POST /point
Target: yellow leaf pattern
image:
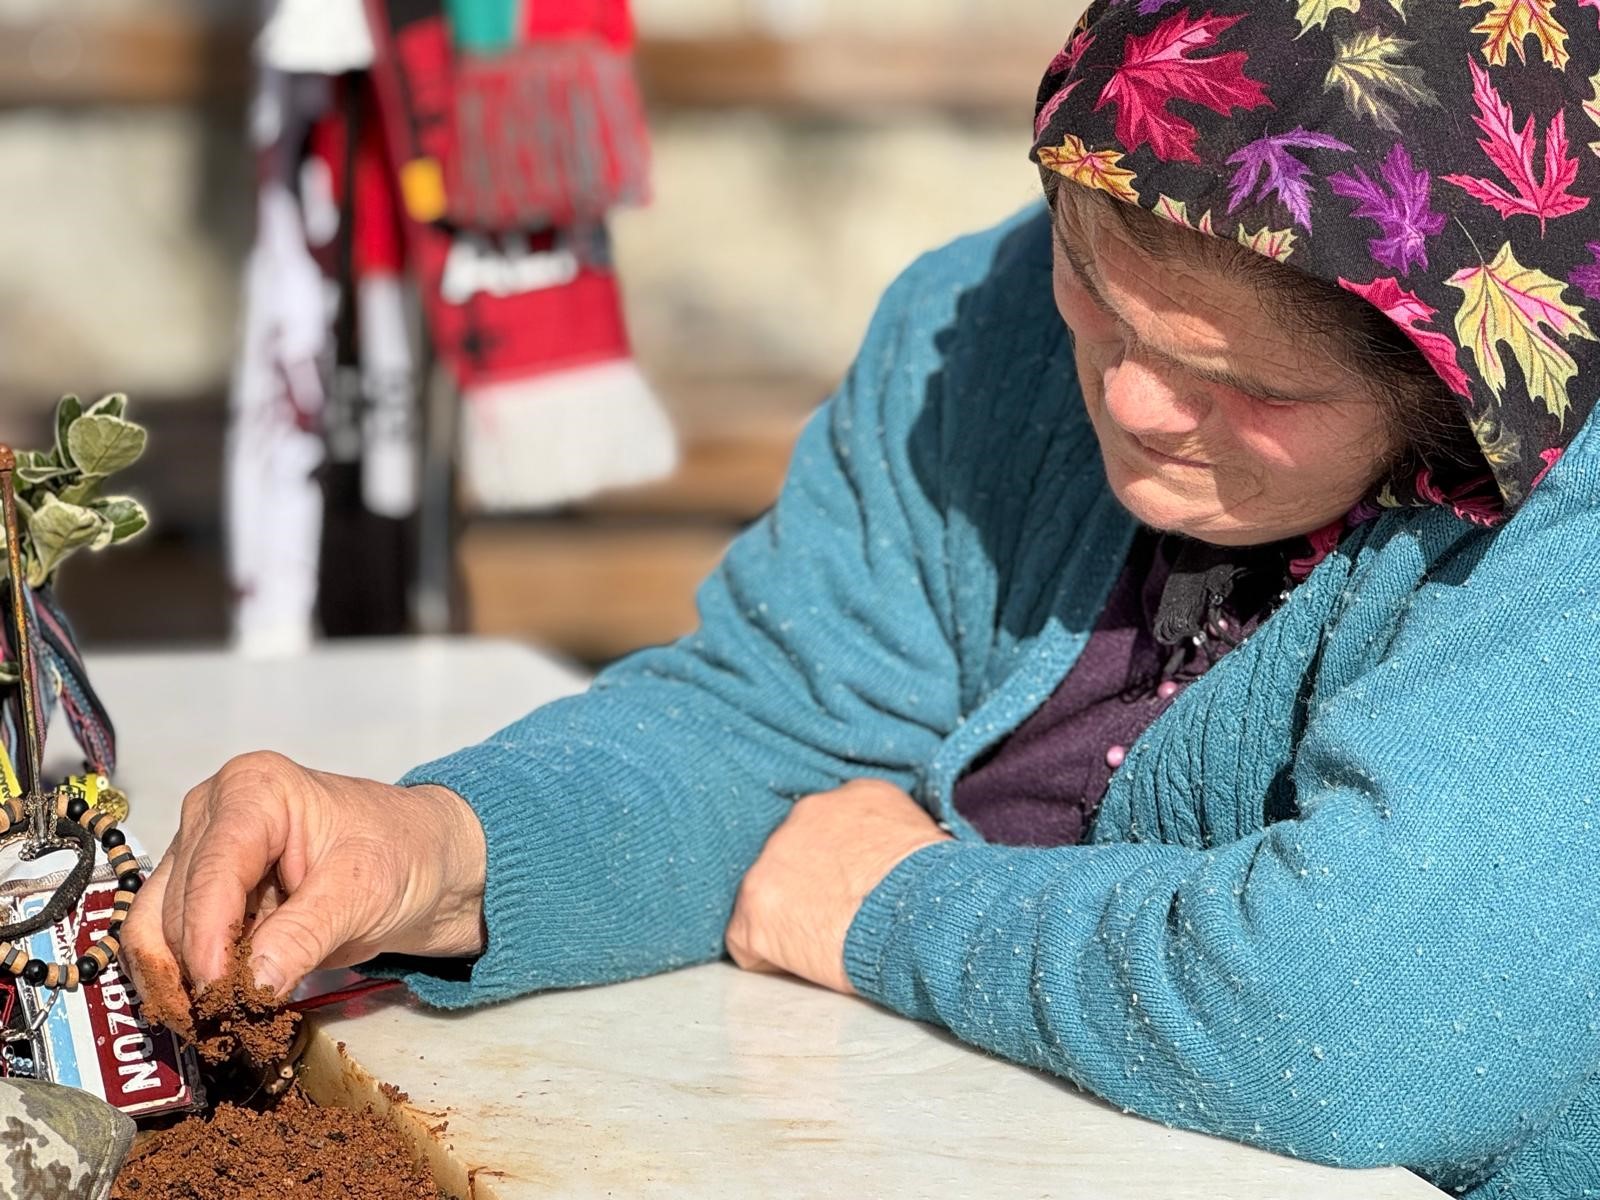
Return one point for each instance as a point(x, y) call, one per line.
point(1366, 69)
point(1091, 168)
point(1505, 301)
point(1177, 211)
point(1314, 14)
point(1508, 24)
point(1500, 445)
point(1274, 243)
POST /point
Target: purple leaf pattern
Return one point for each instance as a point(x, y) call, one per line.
point(1400, 204)
point(1587, 277)
point(1266, 167)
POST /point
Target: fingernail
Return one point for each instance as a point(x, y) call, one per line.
point(267, 974)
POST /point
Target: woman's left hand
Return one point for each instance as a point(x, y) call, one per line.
point(798, 900)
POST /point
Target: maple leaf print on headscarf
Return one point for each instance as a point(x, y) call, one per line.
point(1400, 206)
point(1511, 150)
point(1269, 161)
point(1368, 70)
point(1508, 25)
point(1587, 276)
point(1160, 68)
point(1091, 168)
point(1408, 311)
point(1508, 302)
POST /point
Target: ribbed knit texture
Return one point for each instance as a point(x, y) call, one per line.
point(1405, 972)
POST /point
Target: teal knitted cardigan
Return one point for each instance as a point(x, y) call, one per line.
point(1402, 972)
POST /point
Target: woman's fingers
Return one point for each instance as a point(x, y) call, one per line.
point(265, 897)
point(146, 955)
point(219, 875)
point(305, 932)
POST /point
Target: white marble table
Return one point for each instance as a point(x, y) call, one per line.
point(703, 1082)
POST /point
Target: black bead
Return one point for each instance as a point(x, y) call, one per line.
point(131, 882)
point(88, 968)
point(35, 972)
point(114, 838)
point(76, 807)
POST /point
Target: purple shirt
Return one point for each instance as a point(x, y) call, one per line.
point(1042, 784)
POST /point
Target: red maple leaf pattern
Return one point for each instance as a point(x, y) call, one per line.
point(1511, 150)
point(1407, 310)
point(1159, 67)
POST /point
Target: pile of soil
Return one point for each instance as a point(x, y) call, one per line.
point(253, 1146)
point(295, 1151)
point(231, 1016)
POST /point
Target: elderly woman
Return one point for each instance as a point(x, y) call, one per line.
point(1172, 660)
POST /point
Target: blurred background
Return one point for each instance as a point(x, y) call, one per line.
point(801, 153)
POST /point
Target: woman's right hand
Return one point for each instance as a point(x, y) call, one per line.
point(335, 870)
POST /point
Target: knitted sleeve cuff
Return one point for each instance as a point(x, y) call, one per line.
point(540, 881)
point(880, 947)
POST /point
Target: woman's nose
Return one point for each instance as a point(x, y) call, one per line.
point(1145, 402)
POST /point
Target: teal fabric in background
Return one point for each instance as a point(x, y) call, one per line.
point(1404, 972)
point(482, 26)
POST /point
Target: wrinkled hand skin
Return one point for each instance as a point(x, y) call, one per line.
point(797, 902)
point(335, 869)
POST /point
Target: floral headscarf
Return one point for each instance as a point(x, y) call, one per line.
point(1439, 159)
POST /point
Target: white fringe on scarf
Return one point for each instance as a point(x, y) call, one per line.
point(540, 443)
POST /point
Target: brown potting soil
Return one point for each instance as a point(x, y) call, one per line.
point(231, 1016)
point(295, 1151)
point(260, 1148)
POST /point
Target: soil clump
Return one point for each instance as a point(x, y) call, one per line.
point(232, 1015)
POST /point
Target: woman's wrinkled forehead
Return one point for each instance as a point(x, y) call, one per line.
point(1422, 157)
point(1280, 336)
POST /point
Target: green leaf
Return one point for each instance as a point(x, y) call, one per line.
point(68, 410)
point(105, 534)
point(82, 492)
point(114, 405)
point(101, 444)
point(127, 516)
point(45, 474)
point(56, 530)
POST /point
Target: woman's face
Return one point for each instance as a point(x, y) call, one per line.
point(1214, 420)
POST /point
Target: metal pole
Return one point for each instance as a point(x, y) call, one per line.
point(28, 681)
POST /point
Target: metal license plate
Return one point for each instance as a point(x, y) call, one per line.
point(95, 1038)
